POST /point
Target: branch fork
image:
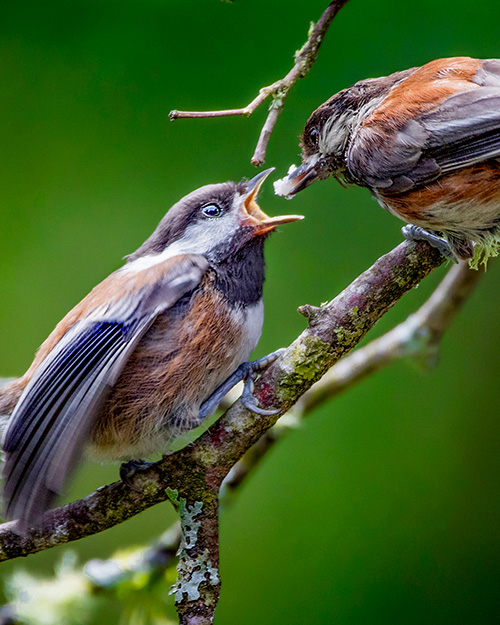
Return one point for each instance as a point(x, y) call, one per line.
point(304, 60)
point(192, 477)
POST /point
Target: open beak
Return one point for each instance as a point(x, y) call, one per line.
point(252, 214)
point(298, 178)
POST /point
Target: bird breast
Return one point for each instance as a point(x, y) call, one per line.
point(187, 353)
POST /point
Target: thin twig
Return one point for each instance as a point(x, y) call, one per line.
point(259, 155)
point(246, 111)
point(304, 60)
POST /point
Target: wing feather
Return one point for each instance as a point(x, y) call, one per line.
point(53, 418)
point(463, 130)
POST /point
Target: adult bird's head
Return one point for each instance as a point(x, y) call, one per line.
point(328, 131)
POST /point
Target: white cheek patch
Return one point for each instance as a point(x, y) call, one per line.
point(203, 236)
point(200, 238)
point(337, 132)
point(334, 134)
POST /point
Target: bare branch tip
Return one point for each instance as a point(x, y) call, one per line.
point(257, 161)
point(308, 311)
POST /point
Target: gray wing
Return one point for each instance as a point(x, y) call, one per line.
point(53, 417)
point(462, 131)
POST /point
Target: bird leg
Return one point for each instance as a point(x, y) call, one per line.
point(416, 233)
point(248, 372)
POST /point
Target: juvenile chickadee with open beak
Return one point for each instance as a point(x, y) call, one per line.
point(148, 353)
point(426, 142)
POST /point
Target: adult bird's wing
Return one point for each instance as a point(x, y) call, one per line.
point(407, 142)
point(53, 417)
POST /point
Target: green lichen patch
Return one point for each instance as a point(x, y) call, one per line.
point(278, 98)
point(187, 514)
point(349, 334)
point(173, 495)
point(484, 251)
point(341, 334)
point(303, 364)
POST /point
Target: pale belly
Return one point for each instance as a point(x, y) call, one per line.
point(464, 203)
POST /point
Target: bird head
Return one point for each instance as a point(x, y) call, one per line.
point(329, 130)
point(216, 221)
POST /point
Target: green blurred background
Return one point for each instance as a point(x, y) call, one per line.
point(384, 507)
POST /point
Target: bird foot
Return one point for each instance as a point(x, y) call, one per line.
point(246, 372)
point(254, 369)
point(416, 233)
point(129, 470)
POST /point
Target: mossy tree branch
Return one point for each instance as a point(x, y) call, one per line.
point(418, 337)
point(191, 478)
point(333, 330)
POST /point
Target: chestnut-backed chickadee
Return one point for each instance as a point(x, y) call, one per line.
point(146, 354)
point(426, 142)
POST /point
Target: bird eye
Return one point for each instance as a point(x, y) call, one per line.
point(314, 135)
point(211, 210)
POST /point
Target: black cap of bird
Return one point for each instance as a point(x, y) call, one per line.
point(148, 353)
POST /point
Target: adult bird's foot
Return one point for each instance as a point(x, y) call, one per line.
point(129, 470)
point(416, 233)
point(247, 372)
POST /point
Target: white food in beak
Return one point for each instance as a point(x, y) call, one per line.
point(283, 186)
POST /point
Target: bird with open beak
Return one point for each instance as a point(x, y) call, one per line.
point(426, 142)
point(148, 353)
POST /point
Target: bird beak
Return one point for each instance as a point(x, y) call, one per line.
point(298, 178)
point(253, 216)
